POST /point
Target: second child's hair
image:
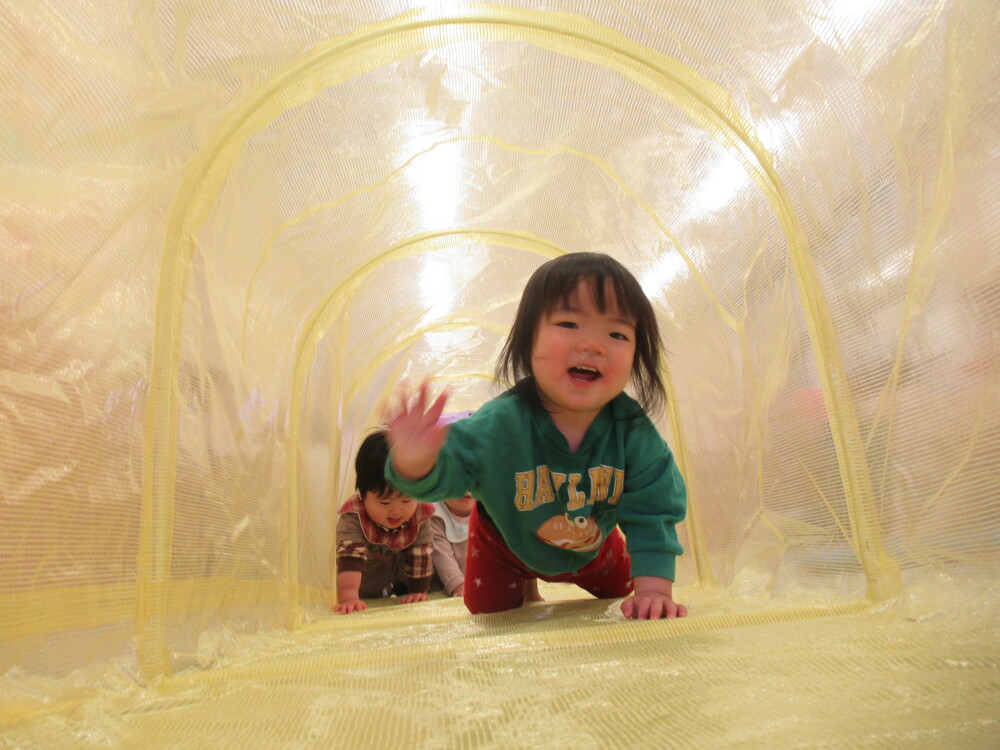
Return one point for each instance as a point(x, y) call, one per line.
point(369, 465)
point(551, 286)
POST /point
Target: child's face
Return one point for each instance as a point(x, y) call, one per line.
point(461, 506)
point(582, 358)
point(390, 511)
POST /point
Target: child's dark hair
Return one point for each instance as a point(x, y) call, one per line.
point(369, 465)
point(551, 286)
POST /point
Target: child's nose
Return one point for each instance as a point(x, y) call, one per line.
point(590, 344)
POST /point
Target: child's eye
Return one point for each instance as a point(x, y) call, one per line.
point(566, 324)
point(619, 335)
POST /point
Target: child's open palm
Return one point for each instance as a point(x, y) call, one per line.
point(413, 431)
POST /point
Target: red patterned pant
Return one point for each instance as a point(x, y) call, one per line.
point(495, 577)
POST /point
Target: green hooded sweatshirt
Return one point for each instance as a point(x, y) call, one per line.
point(555, 508)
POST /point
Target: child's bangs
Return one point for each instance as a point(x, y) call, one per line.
point(560, 289)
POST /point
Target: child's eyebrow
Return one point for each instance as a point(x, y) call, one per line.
point(571, 309)
point(560, 309)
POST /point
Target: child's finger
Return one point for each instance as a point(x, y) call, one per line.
point(402, 394)
point(643, 610)
point(395, 405)
point(382, 409)
point(628, 608)
point(434, 413)
point(421, 401)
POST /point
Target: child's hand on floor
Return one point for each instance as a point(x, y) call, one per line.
point(353, 605)
point(407, 598)
point(652, 607)
point(653, 600)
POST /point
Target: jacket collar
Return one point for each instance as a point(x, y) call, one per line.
point(399, 538)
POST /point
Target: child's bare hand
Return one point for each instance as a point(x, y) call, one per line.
point(652, 606)
point(408, 598)
point(353, 605)
point(653, 599)
point(413, 431)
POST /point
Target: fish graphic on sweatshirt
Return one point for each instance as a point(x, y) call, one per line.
point(579, 534)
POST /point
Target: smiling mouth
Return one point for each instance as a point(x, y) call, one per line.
point(582, 372)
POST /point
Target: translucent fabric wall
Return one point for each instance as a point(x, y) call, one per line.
point(228, 229)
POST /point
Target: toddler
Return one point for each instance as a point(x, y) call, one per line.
point(450, 524)
point(383, 539)
point(564, 457)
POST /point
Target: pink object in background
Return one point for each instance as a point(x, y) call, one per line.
point(809, 402)
point(453, 417)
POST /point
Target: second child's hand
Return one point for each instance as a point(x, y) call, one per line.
point(413, 431)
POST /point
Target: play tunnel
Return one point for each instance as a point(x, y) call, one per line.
point(229, 229)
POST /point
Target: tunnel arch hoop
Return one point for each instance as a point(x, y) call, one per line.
point(372, 47)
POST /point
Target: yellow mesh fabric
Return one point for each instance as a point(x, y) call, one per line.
point(228, 229)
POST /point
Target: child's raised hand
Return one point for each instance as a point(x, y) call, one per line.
point(413, 431)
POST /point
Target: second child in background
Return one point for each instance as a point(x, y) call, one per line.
point(384, 541)
point(450, 524)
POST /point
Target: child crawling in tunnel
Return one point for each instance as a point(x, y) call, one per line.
point(563, 458)
point(384, 541)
